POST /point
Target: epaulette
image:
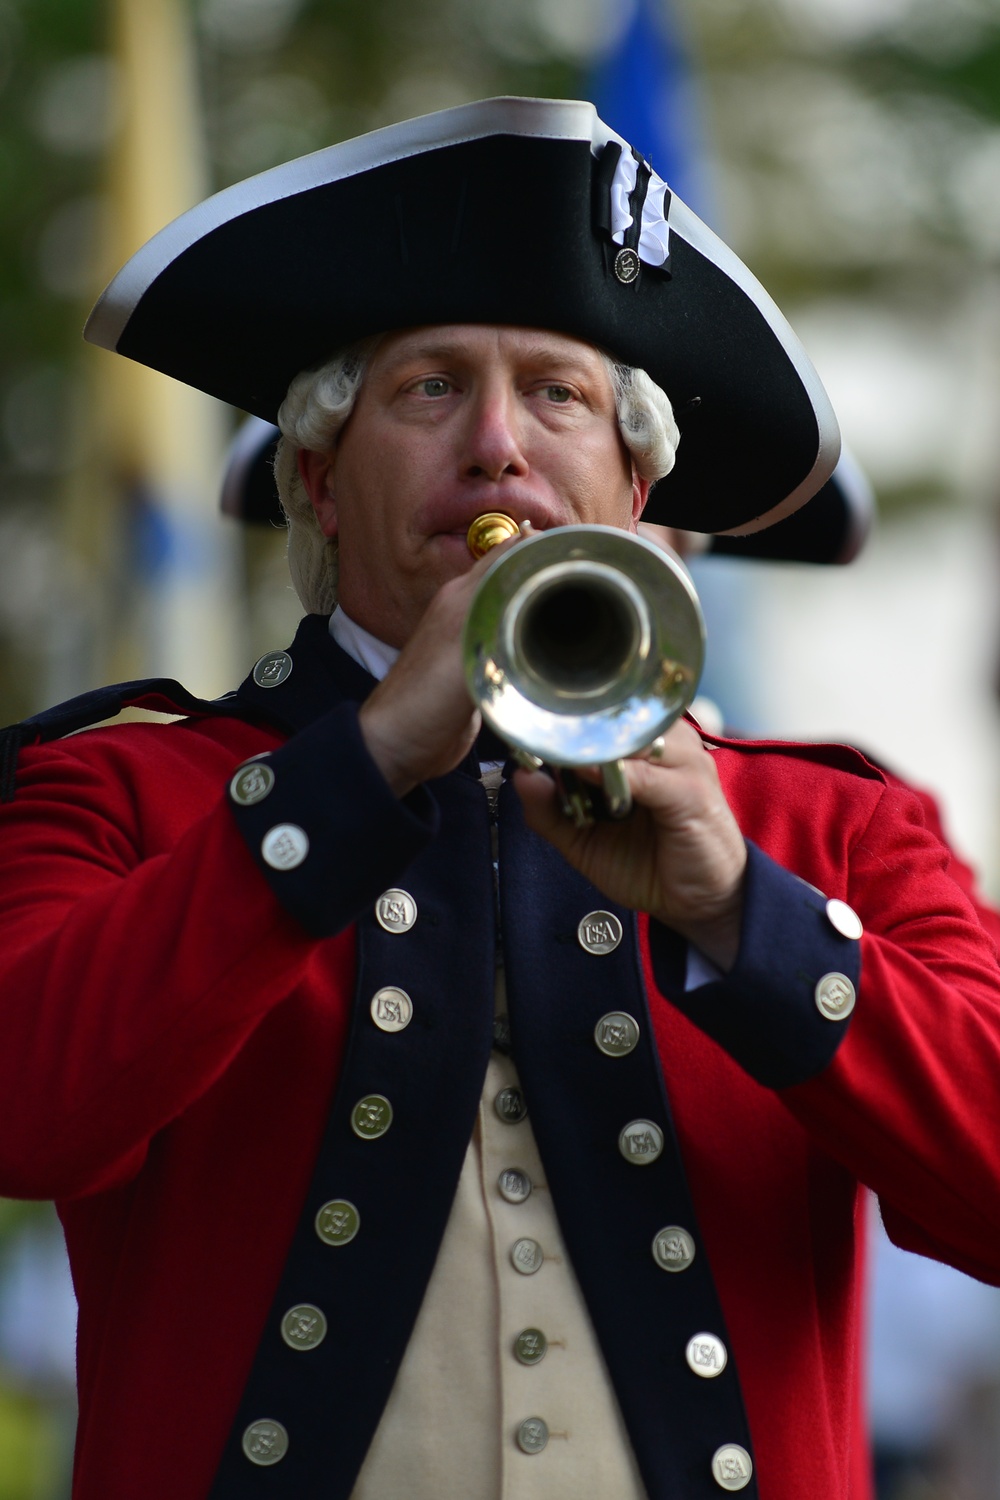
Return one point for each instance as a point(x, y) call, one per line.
point(159, 694)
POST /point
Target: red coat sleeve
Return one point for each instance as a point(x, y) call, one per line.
point(911, 1099)
point(905, 1091)
point(140, 944)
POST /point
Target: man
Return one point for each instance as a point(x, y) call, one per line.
point(338, 1228)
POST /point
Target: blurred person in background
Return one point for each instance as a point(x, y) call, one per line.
point(380, 1179)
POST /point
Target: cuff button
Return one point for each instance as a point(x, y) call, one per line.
point(251, 784)
point(284, 846)
point(835, 997)
point(843, 919)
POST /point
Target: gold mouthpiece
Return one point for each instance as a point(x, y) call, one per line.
point(488, 530)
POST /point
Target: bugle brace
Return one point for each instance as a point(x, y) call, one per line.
point(581, 646)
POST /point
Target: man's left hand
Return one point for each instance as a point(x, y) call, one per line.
point(679, 855)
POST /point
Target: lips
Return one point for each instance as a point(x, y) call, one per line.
point(454, 517)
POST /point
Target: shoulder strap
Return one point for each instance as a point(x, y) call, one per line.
point(160, 694)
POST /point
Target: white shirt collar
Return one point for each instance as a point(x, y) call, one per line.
point(366, 649)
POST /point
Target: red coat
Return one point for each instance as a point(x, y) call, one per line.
point(172, 1039)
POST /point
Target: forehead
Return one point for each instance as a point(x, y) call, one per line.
point(489, 344)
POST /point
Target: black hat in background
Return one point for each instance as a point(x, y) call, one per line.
point(832, 527)
point(528, 212)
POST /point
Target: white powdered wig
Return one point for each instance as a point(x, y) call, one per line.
point(320, 401)
point(645, 419)
point(316, 407)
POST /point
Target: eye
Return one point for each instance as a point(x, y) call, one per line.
point(560, 394)
point(433, 386)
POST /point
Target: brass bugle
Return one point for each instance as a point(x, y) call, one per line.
point(488, 531)
point(581, 646)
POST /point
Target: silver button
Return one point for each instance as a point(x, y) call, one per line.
point(514, 1185)
point(392, 1009)
point(526, 1256)
point(251, 784)
point(617, 1033)
point(641, 1142)
point(337, 1222)
point(395, 910)
point(284, 846)
point(530, 1346)
point(532, 1435)
point(599, 932)
point(732, 1467)
point(510, 1106)
point(835, 997)
point(626, 266)
point(706, 1355)
point(673, 1248)
point(265, 1442)
point(371, 1117)
point(274, 668)
point(844, 919)
point(303, 1326)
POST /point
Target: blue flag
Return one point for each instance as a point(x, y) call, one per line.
point(645, 89)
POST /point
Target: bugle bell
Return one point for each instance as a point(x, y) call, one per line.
point(582, 644)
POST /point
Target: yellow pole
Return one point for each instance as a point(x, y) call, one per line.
point(144, 515)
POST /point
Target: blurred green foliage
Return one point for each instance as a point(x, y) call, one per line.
point(32, 1450)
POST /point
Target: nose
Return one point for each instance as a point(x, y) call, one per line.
point(494, 444)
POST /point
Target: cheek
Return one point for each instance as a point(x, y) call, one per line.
point(606, 473)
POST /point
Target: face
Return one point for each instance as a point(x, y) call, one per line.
point(451, 422)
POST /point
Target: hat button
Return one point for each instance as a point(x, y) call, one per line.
point(627, 266)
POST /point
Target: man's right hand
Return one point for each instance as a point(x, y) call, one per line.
point(420, 721)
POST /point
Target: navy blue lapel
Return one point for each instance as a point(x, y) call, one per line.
point(330, 1399)
point(611, 1210)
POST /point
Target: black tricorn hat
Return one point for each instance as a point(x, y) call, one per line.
point(528, 212)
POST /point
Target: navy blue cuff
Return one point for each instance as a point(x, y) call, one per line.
point(783, 1009)
point(323, 825)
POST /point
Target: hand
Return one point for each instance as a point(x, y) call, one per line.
point(679, 855)
point(420, 721)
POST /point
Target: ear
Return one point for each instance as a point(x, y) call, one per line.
point(316, 473)
point(640, 494)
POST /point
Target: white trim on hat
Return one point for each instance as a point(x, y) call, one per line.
point(547, 119)
point(698, 235)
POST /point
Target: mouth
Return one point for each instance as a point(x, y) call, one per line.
point(526, 513)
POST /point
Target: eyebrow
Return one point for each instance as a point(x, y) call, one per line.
point(535, 354)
